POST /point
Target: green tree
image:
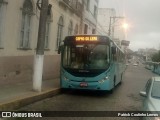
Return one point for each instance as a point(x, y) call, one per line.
point(156, 57)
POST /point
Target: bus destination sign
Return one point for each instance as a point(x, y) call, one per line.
point(83, 39)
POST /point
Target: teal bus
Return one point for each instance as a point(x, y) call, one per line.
point(91, 62)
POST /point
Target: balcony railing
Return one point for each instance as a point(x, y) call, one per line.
point(67, 1)
point(73, 5)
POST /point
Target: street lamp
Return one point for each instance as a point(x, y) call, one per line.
point(125, 26)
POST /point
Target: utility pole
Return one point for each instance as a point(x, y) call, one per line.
point(38, 59)
point(81, 18)
point(111, 24)
point(109, 30)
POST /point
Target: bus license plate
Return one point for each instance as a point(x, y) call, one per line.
point(83, 84)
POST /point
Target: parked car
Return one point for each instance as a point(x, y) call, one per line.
point(151, 93)
point(135, 64)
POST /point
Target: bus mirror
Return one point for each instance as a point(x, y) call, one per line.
point(113, 50)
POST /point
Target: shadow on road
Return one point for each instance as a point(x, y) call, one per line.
point(90, 93)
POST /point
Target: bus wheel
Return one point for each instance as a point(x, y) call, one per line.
point(111, 91)
point(64, 90)
point(114, 82)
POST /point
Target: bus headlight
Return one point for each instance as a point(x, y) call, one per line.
point(65, 78)
point(103, 80)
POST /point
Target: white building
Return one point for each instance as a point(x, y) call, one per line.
point(90, 16)
point(110, 24)
point(19, 20)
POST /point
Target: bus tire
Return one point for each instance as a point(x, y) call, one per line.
point(114, 82)
point(111, 91)
point(64, 90)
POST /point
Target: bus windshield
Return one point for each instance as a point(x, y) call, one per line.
point(86, 56)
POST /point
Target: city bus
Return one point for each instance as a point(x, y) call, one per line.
point(90, 62)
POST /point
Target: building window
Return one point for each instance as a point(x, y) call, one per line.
point(93, 31)
point(88, 5)
point(1, 21)
point(85, 29)
point(27, 12)
point(3, 8)
point(95, 11)
point(1, 2)
point(59, 32)
point(76, 4)
point(46, 44)
point(76, 29)
point(70, 28)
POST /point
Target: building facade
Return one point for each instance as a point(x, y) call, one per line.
point(90, 16)
point(19, 22)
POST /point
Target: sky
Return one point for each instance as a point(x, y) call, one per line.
point(143, 18)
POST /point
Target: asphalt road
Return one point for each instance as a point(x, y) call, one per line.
point(124, 98)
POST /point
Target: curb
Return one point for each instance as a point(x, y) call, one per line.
point(22, 101)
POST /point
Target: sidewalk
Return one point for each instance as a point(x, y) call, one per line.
point(14, 96)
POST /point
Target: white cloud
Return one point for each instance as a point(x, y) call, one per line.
point(145, 18)
point(150, 40)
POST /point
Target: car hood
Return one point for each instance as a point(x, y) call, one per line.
point(155, 103)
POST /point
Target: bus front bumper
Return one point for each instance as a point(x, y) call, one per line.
point(96, 85)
